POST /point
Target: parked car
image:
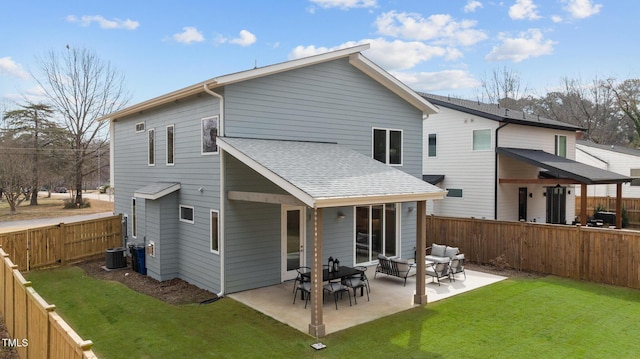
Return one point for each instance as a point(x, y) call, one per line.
point(62, 190)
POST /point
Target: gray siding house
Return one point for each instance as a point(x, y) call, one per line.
point(233, 183)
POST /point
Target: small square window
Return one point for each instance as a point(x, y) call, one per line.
point(481, 140)
point(186, 214)
point(140, 127)
point(454, 192)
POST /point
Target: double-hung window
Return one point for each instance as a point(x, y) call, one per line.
point(387, 146)
point(561, 145)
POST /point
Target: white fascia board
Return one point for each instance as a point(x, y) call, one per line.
point(157, 195)
point(396, 86)
point(236, 77)
point(366, 200)
point(271, 176)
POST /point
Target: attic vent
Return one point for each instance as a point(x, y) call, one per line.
point(139, 127)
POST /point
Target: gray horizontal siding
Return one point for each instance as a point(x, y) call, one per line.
point(331, 102)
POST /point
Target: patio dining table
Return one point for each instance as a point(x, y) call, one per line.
point(342, 272)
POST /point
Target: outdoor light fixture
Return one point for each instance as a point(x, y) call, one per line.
point(341, 215)
point(411, 209)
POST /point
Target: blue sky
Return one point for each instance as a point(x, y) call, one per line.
point(439, 46)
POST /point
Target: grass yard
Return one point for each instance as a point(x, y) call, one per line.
point(517, 318)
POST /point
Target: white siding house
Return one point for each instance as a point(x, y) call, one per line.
point(622, 160)
point(502, 164)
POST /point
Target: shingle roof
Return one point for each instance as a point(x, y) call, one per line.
point(497, 113)
point(564, 167)
point(157, 190)
point(327, 174)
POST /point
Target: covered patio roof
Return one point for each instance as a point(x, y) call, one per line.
point(322, 174)
point(564, 167)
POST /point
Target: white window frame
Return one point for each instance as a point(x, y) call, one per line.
point(173, 146)
point(473, 143)
point(398, 231)
point(457, 188)
point(143, 129)
point(193, 213)
point(211, 212)
point(556, 145)
point(202, 135)
point(387, 143)
point(634, 173)
point(429, 147)
point(151, 132)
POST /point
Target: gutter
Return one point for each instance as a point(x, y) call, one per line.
point(222, 213)
point(495, 174)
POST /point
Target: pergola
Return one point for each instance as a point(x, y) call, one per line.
point(561, 170)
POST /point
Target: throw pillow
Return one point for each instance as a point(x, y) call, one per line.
point(451, 252)
point(438, 250)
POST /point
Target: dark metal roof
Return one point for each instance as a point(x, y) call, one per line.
point(497, 113)
point(433, 179)
point(613, 148)
point(564, 167)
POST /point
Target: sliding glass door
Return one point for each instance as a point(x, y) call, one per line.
point(376, 232)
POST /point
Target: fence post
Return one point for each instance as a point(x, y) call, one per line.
point(62, 235)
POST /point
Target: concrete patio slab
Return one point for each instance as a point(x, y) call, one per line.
point(388, 296)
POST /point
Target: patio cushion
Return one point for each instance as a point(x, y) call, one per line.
point(438, 250)
point(437, 259)
point(451, 252)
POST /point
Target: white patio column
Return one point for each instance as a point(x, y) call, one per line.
point(316, 327)
point(421, 248)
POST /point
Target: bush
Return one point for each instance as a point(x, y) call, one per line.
point(500, 262)
point(71, 204)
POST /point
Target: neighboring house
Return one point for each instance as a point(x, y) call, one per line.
point(234, 182)
point(619, 159)
point(502, 164)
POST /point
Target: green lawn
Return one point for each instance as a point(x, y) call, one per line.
point(524, 318)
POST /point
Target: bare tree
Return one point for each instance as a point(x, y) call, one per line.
point(503, 87)
point(82, 88)
point(588, 105)
point(627, 96)
point(14, 174)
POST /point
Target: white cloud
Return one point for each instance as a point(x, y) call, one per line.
point(344, 4)
point(104, 23)
point(581, 9)
point(439, 28)
point(246, 38)
point(189, 35)
point(472, 6)
point(526, 45)
point(438, 81)
point(523, 9)
point(390, 55)
point(9, 67)
point(556, 18)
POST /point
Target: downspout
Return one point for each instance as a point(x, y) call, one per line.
point(495, 169)
point(222, 213)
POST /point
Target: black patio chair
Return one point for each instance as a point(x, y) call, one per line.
point(358, 281)
point(336, 288)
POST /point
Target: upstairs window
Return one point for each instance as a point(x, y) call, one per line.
point(387, 146)
point(635, 175)
point(482, 140)
point(561, 146)
point(431, 150)
point(209, 135)
point(170, 145)
point(152, 147)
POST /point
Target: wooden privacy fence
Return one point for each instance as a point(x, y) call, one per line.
point(62, 243)
point(35, 329)
point(630, 205)
point(610, 256)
